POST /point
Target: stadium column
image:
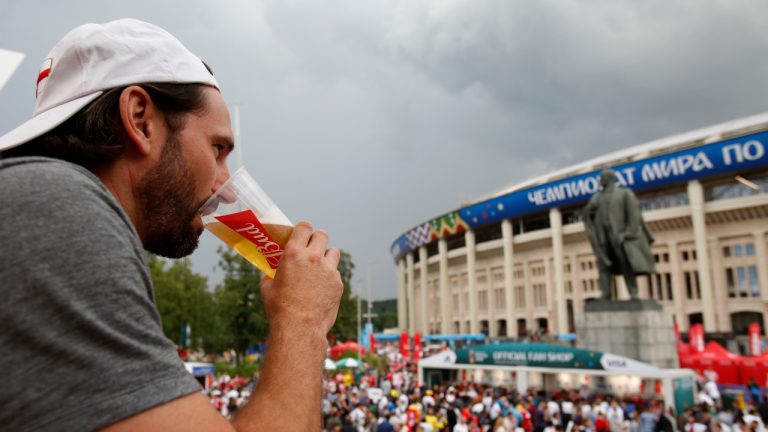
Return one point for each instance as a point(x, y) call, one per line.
point(401, 300)
point(509, 273)
point(577, 294)
point(676, 277)
point(424, 279)
point(493, 328)
point(762, 271)
point(556, 224)
point(410, 287)
point(696, 198)
point(579, 284)
point(469, 236)
point(719, 286)
point(445, 293)
point(528, 295)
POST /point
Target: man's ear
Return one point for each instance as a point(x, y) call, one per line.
point(140, 119)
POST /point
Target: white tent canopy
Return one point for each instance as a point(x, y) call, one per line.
point(676, 383)
point(348, 363)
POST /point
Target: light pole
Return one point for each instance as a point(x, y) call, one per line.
point(360, 284)
point(370, 306)
point(238, 141)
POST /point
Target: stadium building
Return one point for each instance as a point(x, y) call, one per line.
point(519, 263)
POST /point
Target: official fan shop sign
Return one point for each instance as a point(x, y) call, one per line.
point(548, 356)
point(729, 156)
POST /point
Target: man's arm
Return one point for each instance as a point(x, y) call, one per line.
point(301, 306)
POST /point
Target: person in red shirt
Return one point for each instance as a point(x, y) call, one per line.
point(527, 423)
point(466, 413)
point(601, 423)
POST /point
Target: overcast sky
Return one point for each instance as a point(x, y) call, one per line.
point(370, 117)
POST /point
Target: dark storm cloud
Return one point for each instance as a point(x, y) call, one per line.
point(369, 117)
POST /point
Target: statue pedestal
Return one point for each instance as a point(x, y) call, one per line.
point(637, 329)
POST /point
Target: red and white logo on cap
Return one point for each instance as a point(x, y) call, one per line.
point(42, 77)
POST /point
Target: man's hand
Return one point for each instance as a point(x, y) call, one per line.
point(301, 305)
point(307, 288)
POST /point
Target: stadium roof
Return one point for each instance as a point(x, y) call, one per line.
point(681, 141)
point(728, 147)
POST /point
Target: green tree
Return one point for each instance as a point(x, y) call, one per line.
point(239, 303)
point(240, 307)
point(346, 321)
point(385, 320)
point(182, 298)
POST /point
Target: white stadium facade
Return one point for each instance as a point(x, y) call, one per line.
point(518, 262)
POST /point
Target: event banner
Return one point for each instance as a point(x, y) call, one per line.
point(684, 391)
point(548, 356)
point(728, 156)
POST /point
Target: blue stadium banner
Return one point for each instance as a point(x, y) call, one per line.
point(728, 156)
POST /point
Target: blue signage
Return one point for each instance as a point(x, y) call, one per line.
point(365, 335)
point(204, 370)
point(727, 156)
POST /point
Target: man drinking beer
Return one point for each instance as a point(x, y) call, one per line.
point(129, 136)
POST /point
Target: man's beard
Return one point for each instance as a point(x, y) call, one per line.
point(166, 198)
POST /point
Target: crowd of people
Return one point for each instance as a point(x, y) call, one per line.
point(227, 394)
point(357, 401)
point(463, 407)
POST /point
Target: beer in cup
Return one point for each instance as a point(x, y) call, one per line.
point(245, 218)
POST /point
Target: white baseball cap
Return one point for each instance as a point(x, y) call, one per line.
point(93, 58)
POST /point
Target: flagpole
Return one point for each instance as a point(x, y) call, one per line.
point(370, 308)
point(238, 143)
point(359, 295)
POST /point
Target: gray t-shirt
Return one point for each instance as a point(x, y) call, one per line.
point(81, 343)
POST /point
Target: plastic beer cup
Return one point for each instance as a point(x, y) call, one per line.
point(243, 216)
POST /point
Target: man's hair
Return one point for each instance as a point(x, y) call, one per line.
point(95, 135)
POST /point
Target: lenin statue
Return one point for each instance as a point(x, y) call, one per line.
point(618, 235)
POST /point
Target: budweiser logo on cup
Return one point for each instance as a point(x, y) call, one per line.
point(247, 224)
point(246, 219)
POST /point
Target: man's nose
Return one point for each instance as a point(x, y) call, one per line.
point(226, 194)
point(222, 175)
